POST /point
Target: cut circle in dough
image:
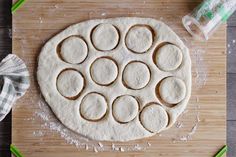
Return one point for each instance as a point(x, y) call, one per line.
point(105, 37)
point(168, 57)
point(74, 50)
point(136, 75)
point(154, 118)
point(172, 90)
point(70, 83)
point(104, 71)
point(93, 106)
point(139, 39)
point(125, 108)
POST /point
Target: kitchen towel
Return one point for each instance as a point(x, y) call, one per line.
point(14, 81)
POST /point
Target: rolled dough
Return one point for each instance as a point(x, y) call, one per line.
point(172, 90)
point(119, 91)
point(154, 118)
point(168, 57)
point(104, 71)
point(74, 50)
point(93, 106)
point(125, 108)
point(105, 37)
point(139, 39)
point(70, 83)
point(136, 75)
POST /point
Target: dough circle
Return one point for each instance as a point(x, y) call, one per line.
point(154, 118)
point(104, 71)
point(172, 90)
point(136, 75)
point(93, 106)
point(70, 83)
point(139, 39)
point(168, 57)
point(105, 37)
point(74, 50)
point(125, 108)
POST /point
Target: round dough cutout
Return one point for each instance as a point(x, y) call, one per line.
point(172, 90)
point(125, 108)
point(74, 50)
point(70, 83)
point(168, 57)
point(93, 106)
point(104, 71)
point(139, 39)
point(154, 118)
point(136, 75)
point(105, 37)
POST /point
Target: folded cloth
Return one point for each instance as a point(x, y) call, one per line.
point(14, 81)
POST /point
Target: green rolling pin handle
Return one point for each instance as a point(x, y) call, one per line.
point(17, 5)
point(15, 151)
point(222, 151)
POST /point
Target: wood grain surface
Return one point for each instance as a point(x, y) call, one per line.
point(38, 20)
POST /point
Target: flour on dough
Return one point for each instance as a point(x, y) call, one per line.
point(113, 79)
point(168, 57)
point(93, 106)
point(104, 71)
point(74, 50)
point(172, 90)
point(105, 37)
point(70, 83)
point(154, 118)
point(125, 108)
point(139, 39)
point(136, 75)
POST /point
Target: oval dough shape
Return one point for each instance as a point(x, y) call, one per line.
point(154, 118)
point(70, 83)
point(168, 57)
point(125, 108)
point(74, 50)
point(104, 71)
point(172, 90)
point(103, 126)
point(136, 75)
point(139, 39)
point(93, 106)
point(105, 37)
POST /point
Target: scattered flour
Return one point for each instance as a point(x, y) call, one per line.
point(40, 20)
point(178, 124)
point(95, 149)
point(100, 144)
point(50, 121)
point(122, 149)
point(103, 14)
point(10, 33)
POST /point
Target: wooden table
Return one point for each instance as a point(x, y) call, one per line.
point(191, 144)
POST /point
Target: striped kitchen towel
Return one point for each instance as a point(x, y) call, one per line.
point(14, 81)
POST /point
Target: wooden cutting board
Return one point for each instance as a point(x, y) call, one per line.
point(39, 20)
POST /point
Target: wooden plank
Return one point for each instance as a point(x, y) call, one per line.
point(5, 132)
point(232, 20)
point(231, 86)
point(231, 138)
point(39, 20)
point(231, 45)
